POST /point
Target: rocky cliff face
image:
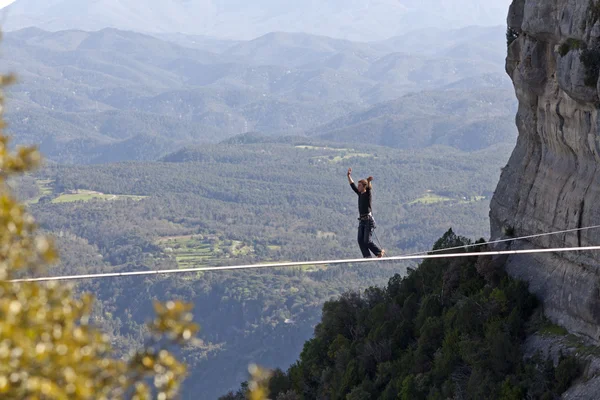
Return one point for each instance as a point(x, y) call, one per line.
point(552, 180)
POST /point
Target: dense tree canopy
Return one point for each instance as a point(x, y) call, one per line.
point(252, 199)
point(451, 328)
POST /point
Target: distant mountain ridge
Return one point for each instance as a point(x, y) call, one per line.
point(113, 95)
point(349, 19)
point(465, 119)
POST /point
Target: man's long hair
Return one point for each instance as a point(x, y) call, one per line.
point(367, 182)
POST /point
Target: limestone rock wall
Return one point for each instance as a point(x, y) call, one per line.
point(552, 180)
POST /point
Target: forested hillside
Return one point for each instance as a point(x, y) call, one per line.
point(252, 199)
point(467, 119)
point(450, 329)
point(213, 152)
point(110, 95)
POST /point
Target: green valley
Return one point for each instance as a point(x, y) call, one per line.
point(226, 204)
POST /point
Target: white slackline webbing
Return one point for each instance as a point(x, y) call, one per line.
point(302, 263)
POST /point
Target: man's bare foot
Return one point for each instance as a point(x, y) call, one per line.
point(381, 254)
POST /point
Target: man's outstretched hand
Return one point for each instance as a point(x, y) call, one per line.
point(349, 171)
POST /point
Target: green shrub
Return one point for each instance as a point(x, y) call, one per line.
point(511, 35)
point(567, 370)
point(593, 15)
point(594, 12)
point(591, 61)
point(570, 44)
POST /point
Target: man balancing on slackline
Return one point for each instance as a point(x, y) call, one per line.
point(367, 223)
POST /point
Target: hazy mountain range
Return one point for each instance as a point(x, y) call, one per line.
point(93, 90)
point(362, 20)
point(112, 95)
point(465, 119)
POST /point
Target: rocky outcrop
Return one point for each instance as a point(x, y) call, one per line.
point(552, 345)
point(552, 180)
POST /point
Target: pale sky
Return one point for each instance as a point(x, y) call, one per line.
point(4, 3)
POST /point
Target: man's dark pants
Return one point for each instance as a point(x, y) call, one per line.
point(365, 231)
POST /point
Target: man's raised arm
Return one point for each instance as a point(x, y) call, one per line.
point(350, 181)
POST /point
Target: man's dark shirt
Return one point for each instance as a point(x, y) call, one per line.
point(364, 200)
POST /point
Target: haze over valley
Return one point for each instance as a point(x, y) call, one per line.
point(114, 95)
point(232, 19)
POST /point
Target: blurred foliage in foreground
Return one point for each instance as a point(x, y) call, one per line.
point(49, 348)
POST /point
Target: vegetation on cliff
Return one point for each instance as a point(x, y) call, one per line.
point(449, 328)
